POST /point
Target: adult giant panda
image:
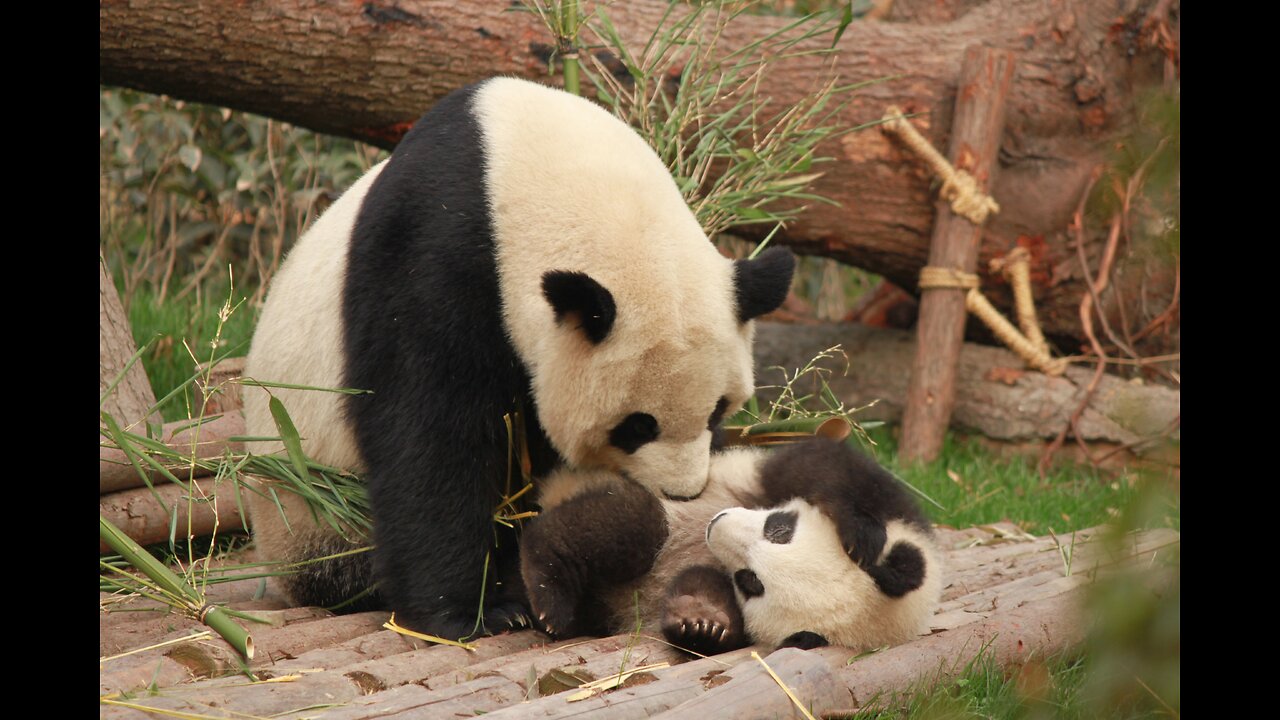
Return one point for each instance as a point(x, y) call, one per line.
point(811, 545)
point(521, 250)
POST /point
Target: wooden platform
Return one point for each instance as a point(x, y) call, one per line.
point(1008, 595)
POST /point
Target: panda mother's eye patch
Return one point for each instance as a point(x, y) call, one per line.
point(780, 526)
point(635, 431)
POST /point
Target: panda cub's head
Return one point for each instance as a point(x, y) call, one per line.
point(794, 580)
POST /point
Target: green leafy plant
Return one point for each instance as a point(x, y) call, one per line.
point(737, 157)
point(185, 189)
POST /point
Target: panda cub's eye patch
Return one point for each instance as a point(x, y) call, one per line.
point(748, 583)
point(635, 430)
point(780, 526)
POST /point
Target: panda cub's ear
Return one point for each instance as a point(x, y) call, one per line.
point(762, 283)
point(576, 298)
point(805, 640)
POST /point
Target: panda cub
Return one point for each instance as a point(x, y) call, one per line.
point(813, 544)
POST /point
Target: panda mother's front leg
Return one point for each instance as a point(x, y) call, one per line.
point(435, 555)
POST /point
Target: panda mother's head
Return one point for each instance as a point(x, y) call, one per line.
point(635, 382)
point(633, 329)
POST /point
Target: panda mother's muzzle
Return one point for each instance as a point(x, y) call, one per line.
point(676, 472)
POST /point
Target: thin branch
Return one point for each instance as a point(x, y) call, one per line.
point(1086, 319)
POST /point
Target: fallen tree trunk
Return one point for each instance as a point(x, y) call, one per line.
point(212, 439)
point(995, 395)
point(144, 514)
point(131, 397)
point(368, 70)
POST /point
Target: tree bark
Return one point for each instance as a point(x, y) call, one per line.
point(368, 70)
point(132, 396)
point(985, 76)
point(995, 395)
point(145, 518)
point(115, 472)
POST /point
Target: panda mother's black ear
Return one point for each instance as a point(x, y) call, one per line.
point(762, 283)
point(575, 297)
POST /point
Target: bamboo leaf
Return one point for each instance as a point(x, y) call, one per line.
point(289, 435)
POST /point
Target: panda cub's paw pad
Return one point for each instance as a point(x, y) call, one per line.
point(697, 624)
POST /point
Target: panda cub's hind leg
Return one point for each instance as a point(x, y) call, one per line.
point(600, 538)
point(702, 613)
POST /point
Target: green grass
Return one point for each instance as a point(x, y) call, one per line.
point(193, 321)
point(974, 486)
point(1059, 687)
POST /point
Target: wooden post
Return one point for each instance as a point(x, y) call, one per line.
point(132, 397)
point(985, 77)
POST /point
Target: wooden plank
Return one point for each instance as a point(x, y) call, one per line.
point(344, 684)
point(489, 685)
point(213, 658)
point(374, 674)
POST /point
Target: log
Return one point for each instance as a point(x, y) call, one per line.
point(306, 628)
point(132, 396)
point(226, 396)
point(346, 683)
point(994, 395)
point(143, 513)
point(369, 70)
point(985, 77)
point(212, 437)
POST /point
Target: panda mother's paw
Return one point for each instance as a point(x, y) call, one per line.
point(505, 617)
point(461, 625)
point(695, 623)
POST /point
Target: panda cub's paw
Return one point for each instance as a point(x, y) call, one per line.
point(702, 613)
point(695, 623)
point(554, 609)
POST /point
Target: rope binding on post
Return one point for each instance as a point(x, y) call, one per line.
point(958, 186)
point(937, 278)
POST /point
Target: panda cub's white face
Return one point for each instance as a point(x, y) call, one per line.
point(791, 573)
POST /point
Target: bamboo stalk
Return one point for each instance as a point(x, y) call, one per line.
point(193, 602)
point(570, 45)
point(784, 431)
